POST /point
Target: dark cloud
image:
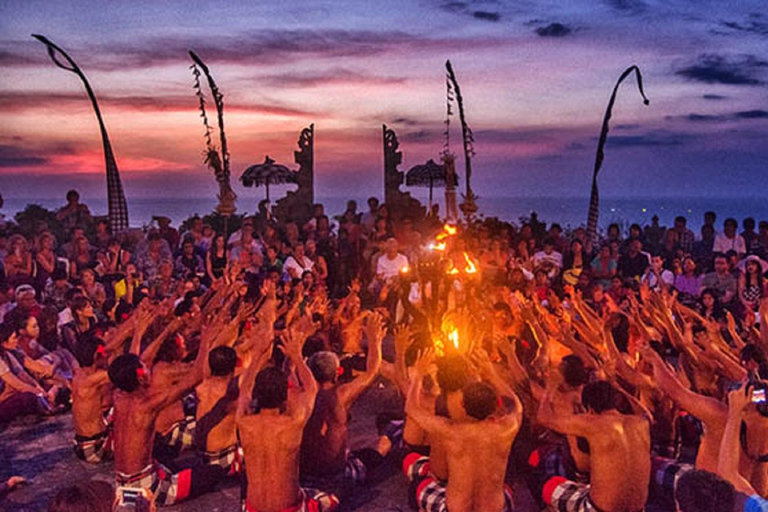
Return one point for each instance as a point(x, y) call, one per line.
point(19, 101)
point(754, 25)
point(454, 6)
point(718, 69)
point(751, 114)
point(417, 136)
point(331, 76)
point(12, 156)
point(626, 127)
point(486, 15)
point(554, 30)
point(628, 6)
point(652, 139)
point(262, 47)
point(406, 121)
point(714, 97)
point(704, 118)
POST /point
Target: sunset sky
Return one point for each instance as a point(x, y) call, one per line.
point(536, 77)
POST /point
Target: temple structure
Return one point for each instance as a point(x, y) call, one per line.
point(400, 204)
point(297, 204)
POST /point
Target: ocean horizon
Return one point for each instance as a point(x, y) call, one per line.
point(567, 211)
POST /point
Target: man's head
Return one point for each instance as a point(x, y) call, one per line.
point(391, 247)
point(657, 262)
point(222, 361)
point(721, 263)
point(271, 388)
point(598, 397)
point(702, 491)
point(749, 224)
point(452, 373)
point(298, 250)
point(729, 227)
point(25, 297)
point(73, 197)
point(573, 370)
point(635, 246)
point(324, 366)
point(680, 222)
point(479, 400)
point(127, 373)
point(710, 218)
point(373, 204)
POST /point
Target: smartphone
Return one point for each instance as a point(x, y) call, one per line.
point(758, 396)
point(128, 495)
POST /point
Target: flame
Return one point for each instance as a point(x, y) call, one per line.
point(453, 336)
point(437, 247)
point(405, 270)
point(450, 230)
point(470, 268)
point(452, 270)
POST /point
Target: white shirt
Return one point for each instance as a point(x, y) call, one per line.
point(666, 276)
point(294, 268)
point(724, 244)
point(388, 268)
point(554, 258)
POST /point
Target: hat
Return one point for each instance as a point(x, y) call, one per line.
point(753, 257)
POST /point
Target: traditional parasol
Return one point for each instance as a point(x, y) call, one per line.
point(429, 175)
point(267, 173)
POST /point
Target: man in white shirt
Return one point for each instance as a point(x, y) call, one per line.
point(729, 240)
point(549, 258)
point(297, 263)
point(391, 262)
point(656, 276)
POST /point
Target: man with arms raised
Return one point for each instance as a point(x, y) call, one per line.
point(476, 449)
point(324, 450)
point(620, 452)
point(138, 402)
point(271, 431)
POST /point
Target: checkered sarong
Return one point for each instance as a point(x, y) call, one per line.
point(567, 496)
point(167, 487)
point(312, 500)
point(98, 448)
point(430, 492)
point(94, 449)
point(230, 459)
point(181, 434)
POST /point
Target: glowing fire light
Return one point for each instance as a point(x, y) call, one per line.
point(437, 247)
point(453, 336)
point(405, 270)
point(470, 268)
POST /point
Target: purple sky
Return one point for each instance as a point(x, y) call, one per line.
point(536, 77)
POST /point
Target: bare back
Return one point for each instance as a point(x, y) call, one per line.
point(134, 432)
point(165, 376)
point(87, 402)
point(224, 434)
point(620, 448)
point(477, 454)
point(271, 444)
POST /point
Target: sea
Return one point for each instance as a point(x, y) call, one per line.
point(567, 211)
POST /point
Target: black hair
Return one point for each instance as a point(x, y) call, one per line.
point(479, 400)
point(702, 491)
point(452, 373)
point(574, 371)
point(599, 396)
point(170, 351)
point(123, 372)
point(271, 388)
point(222, 361)
point(731, 221)
point(86, 352)
point(752, 352)
point(183, 307)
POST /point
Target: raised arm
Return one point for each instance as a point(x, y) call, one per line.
point(375, 332)
point(427, 420)
point(154, 346)
point(300, 403)
point(728, 463)
point(705, 408)
point(482, 362)
point(402, 336)
point(562, 420)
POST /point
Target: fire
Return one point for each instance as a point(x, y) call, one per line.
point(450, 230)
point(452, 270)
point(470, 268)
point(405, 270)
point(453, 336)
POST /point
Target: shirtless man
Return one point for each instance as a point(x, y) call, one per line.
point(620, 447)
point(324, 450)
point(271, 434)
point(477, 449)
point(216, 431)
point(137, 403)
point(93, 443)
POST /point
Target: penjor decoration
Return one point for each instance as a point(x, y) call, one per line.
point(117, 207)
point(218, 162)
point(469, 206)
point(594, 207)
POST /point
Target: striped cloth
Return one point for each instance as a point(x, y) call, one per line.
point(117, 206)
point(167, 487)
point(312, 500)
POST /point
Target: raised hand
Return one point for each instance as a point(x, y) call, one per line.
point(375, 329)
point(402, 335)
point(424, 361)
